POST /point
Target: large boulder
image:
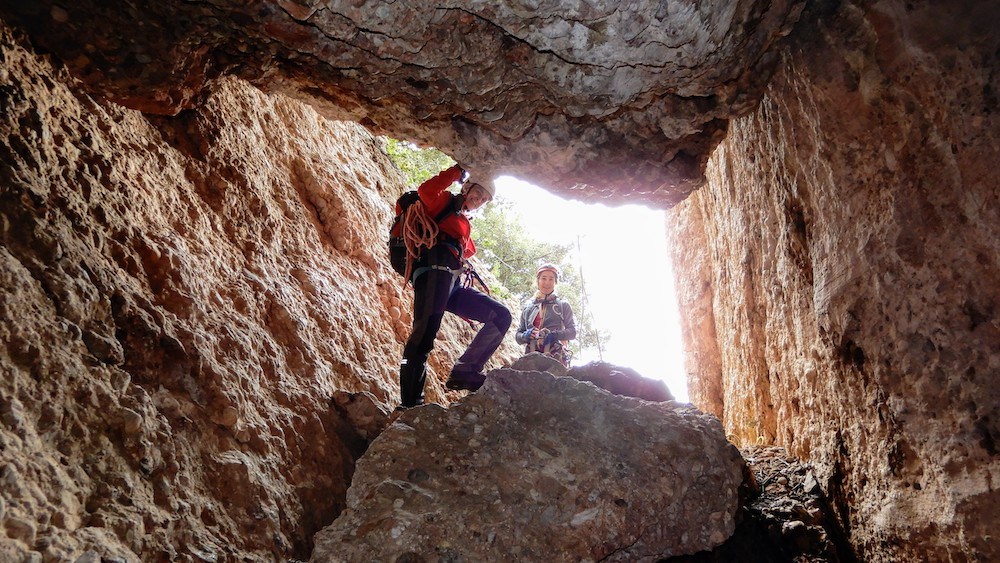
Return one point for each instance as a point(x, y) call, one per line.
point(622, 381)
point(536, 361)
point(540, 468)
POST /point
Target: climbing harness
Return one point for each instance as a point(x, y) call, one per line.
point(472, 276)
point(556, 349)
point(469, 278)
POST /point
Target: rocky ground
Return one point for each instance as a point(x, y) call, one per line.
point(787, 520)
point(784, 516)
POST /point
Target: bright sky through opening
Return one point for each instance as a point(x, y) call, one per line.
point(623, 254)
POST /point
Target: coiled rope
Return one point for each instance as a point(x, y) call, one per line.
point(419, 230)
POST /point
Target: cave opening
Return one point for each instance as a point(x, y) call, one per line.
point(628, 286)
point(166, 293)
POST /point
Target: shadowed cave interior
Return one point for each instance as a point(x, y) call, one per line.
point(200, 328)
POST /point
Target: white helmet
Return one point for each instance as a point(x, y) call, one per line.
point(488, 187)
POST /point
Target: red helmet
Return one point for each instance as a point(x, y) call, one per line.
point(548, 268)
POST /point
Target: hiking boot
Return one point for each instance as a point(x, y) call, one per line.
point(412, 376)
point(460, 380)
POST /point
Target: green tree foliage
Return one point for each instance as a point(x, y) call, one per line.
point(514, 256)
point(415, 163)
point(504, 245)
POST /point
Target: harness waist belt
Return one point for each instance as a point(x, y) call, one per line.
point(423, 269)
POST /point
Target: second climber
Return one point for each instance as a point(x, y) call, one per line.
point(547, 321)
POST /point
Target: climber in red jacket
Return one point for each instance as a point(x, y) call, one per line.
point(437, 288)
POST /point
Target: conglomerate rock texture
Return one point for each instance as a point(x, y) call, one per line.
point(183, 294)
point(181, 299)
point(839, 273)
point(535, 467)
point(599, 99)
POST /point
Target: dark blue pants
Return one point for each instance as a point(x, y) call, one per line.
point(434, 292)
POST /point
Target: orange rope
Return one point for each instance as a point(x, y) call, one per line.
point(419, 230)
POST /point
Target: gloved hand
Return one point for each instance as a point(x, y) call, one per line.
point(550, 338)
point(464, 176)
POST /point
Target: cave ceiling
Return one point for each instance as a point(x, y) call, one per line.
point(596, 100)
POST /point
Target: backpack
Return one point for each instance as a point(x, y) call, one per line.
point(397, 246)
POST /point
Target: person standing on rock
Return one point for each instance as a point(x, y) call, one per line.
point(437, 288)
point(547, 322)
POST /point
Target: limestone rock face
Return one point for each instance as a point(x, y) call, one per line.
point(596, 99)
point(180, 298)
point(183, 290)
point(540, 468)
point(840, 268)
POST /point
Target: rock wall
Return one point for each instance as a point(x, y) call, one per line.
point(601, 99)
point(838, 273)
point(182, 295)
point(181, 298)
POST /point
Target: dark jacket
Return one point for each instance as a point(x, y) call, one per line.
point(557, 316)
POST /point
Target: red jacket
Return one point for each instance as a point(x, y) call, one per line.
point(435, 196)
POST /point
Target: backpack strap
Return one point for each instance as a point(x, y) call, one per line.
point(449, 208)
point(555, 304)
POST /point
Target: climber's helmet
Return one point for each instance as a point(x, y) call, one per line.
point(548, 268)
point(477, 195)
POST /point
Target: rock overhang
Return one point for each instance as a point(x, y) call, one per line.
point(612, 101)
